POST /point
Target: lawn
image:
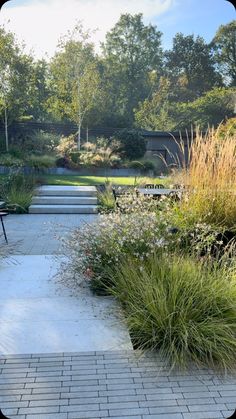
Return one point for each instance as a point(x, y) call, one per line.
point(97, 180)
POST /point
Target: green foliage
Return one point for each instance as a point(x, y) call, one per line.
point(39, 142)
point(16, 190)
point(8, 160)
point(131, 51)
point(40, 162)
point(228, 128)
point(42, 142)
point(180, 307)
point(75, 80)
point(17, 79)
point(191, 58)
point(143, 166)
point(210, 109)
point(106, 200)
point(224, 50)
point(132, 143)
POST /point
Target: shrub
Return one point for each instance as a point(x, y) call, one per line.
point(143, 166)
point(66, 146)
point(180, 307)
point(41, 162)
point(39, 142)
point(96, 247)
point(75, 157)
point(17, 191)
point(8, 160)
point(132, 143)
point(103, 153)
point(63, 162)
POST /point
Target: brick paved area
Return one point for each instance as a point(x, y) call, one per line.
point(119, 385)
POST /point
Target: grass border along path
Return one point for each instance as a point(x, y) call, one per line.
point(96, 180)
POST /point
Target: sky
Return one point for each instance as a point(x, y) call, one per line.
point(40, 23)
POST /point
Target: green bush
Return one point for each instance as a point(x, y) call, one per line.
point(75, 156)
point(40, 162)
point(180, 307)
point(143, 166)
point(38, 142)
point(132, 143)
point(17, 191)
point(6, 159)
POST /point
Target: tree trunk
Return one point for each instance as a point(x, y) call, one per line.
point(87, 136)
point(79, 137)
point(6, 129)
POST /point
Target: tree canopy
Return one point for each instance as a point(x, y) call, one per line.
point(131, 83)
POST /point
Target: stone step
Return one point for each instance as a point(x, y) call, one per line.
point(63, 209)
point(64, 200)
point(54, 190)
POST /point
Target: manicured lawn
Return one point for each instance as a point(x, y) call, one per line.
point(96, 180)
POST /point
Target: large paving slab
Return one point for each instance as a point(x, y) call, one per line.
point(38, 313)
point(62, 209)
point(67, 190)
point(103, 384)
point(39, 234)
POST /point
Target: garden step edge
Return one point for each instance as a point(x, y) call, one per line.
point(63, 209)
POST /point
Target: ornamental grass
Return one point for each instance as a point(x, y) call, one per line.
point(181, 308)
point(209, 176)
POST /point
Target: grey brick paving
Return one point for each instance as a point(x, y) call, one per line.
point(119, 385)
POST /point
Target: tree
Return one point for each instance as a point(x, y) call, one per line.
point(16, 69)
point(210, 109)
point(4, 93)
point(153, 113)
point(224, 48)
point(39, 91)
point(74, 79)
point(192, 59)
point(131, 51)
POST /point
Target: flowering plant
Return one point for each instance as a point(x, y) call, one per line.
point(98, 248)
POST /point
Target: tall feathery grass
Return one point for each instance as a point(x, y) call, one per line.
point(209, 174)
point(178, 306)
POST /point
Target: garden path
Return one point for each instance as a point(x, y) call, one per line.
point(38, 312)
point(45, 372)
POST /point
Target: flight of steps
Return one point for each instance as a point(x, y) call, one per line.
point(51, 199)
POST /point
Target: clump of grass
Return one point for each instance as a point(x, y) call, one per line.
point(210, 178)
point(17, 191)
point(106, 199)
point(180, 307)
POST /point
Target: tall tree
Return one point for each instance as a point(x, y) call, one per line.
point(74, 79)
point(224, 47)
point(131, 51)
point(191, 59)
point(16, 70)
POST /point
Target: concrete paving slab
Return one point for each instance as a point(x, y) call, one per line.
point(67, 190)
point(39, 234)
point(62, 209)
point(38, 313)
